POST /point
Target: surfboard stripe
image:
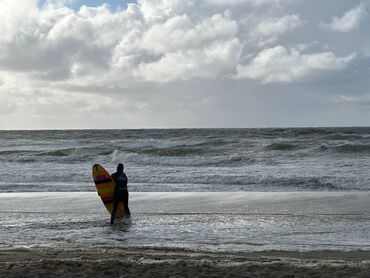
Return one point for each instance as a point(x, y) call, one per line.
point(102, 176)
point(107, 198)
point(104, 185)
point(106, 192)
point(102, 179)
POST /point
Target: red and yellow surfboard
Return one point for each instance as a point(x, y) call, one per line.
point(105, 188)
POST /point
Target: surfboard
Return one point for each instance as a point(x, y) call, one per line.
point(105, 187)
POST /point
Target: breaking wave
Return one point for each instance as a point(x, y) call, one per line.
point(177, 151)
point(353, 148)
point(347, 148)
point(210, 160)
point(179, 159)
point(75, 152)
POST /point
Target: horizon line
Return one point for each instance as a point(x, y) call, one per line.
point(182, 128)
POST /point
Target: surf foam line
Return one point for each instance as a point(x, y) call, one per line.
point(290, 203)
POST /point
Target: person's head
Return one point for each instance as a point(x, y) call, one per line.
point(120, 168)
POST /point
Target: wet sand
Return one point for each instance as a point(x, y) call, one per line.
point(172, 262)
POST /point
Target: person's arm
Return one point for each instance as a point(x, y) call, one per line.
point(115, 182)
point(126, 182)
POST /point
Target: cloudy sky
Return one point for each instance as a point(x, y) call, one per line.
point(177, 63)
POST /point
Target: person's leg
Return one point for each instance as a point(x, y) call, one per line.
point(115, 206)
point(125, 203)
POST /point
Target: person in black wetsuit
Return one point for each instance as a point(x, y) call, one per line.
point(120, 191)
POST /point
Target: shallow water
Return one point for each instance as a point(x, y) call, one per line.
point(215, 221)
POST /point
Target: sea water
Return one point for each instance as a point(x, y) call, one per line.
point(218, 189)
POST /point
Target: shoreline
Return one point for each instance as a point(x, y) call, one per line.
point(105, 261)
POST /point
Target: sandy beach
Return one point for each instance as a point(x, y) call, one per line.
point(170, 262)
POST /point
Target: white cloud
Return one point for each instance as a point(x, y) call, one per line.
point(54, 42)
point(180, 32)
point(276, 26)
point(158, 41)
point(211, 61)
point(279, 64)
point(158, 10)
point(268, 30)
point(348, 22)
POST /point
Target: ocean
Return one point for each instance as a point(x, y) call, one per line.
point(299, 189)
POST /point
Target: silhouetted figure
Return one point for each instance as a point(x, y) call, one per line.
point(120, 191)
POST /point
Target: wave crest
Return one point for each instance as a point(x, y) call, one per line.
point(137, 158)
point(353, 148)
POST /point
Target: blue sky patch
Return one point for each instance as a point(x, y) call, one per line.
point(76, 4)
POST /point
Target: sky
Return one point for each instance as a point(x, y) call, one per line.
point(184, 64)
